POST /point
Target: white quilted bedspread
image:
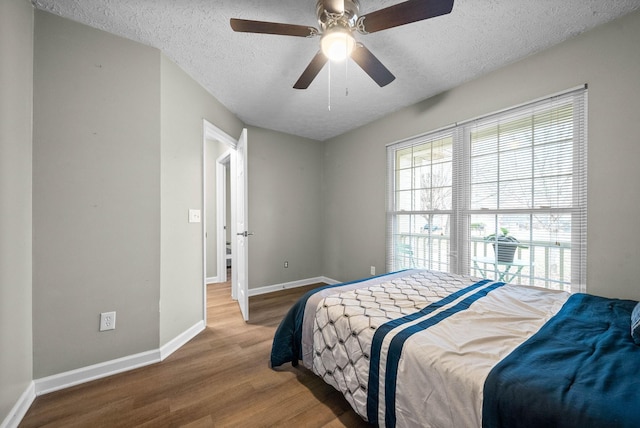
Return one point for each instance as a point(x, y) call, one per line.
point(339, 325)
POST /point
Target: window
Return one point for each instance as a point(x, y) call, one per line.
point(515, 181)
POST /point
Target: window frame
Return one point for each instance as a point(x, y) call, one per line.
point(461, 212)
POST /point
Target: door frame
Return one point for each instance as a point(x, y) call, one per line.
point(211, 132)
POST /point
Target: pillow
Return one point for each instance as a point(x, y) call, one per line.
point(635, 324)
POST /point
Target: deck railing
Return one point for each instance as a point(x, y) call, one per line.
point(548, 264)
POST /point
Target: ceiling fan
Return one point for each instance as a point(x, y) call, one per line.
point(338, 20)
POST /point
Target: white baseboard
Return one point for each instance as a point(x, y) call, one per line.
point(21, 407)
point(177, 342)
point(330, 281)
point(300, 283)
point(64, 380)
point(71, 378)
point(97, 371)
point(212, 280)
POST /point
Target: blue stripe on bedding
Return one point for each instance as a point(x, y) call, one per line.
point(287, 340)
point(579, 370)
point(397, 343)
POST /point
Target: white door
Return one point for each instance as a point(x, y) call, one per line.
point(240, 266)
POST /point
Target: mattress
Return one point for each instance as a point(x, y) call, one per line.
point(418, 347)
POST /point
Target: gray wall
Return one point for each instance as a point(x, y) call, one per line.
point(96, 195)
point(117, 164)
point(184, 104)
point(16, 102)
point(285, 207)
point(607, 59)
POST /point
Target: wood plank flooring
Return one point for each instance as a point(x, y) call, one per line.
point(221, 378)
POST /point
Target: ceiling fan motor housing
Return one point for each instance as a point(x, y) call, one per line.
point(331, 14)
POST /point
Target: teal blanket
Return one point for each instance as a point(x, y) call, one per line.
point(582, 369)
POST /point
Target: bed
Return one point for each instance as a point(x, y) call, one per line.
point(422, 348)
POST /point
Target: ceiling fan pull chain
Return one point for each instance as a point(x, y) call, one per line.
point(346, 78)
point(329, 86)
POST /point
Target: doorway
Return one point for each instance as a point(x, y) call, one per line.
point(224, 206)
point(223, 218)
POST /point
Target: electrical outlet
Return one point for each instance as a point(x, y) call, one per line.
point(286, 264)
point(373, 270)
point(107, 321)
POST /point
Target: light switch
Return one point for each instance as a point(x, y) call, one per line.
point(194, 216)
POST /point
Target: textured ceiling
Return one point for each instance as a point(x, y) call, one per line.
point(253, 74)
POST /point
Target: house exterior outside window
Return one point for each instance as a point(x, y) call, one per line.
point(455, 193)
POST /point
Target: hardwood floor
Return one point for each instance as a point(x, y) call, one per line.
point(221, 378)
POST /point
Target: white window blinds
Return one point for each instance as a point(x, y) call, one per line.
point(463, 198)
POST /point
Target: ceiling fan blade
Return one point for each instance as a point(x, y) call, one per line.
point(263, 27)
point(371, 65)
point(403, 13)
point(311, 71)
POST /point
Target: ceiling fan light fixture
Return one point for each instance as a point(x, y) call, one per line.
point(337, 44)
point(338, 20)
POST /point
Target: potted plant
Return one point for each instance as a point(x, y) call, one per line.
point(504, 245)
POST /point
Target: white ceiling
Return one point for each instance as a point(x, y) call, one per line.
point(253, 74)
